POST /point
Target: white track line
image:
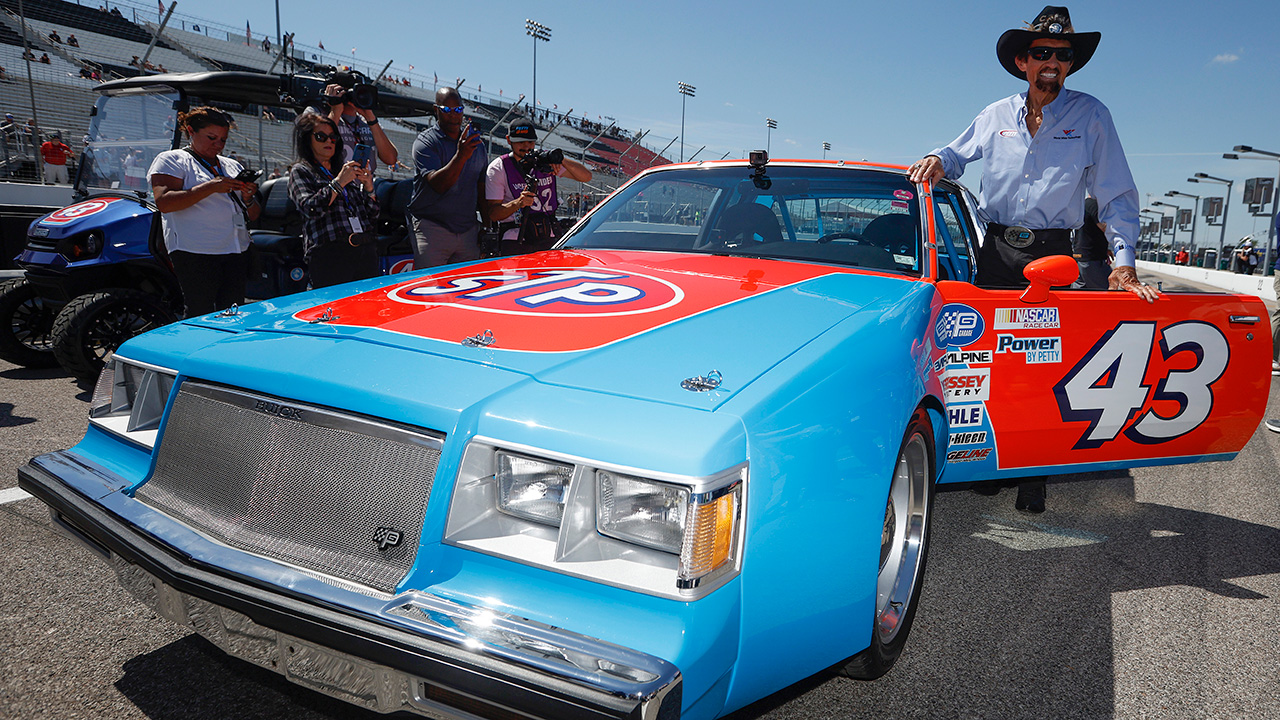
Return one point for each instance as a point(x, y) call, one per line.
point(13, 495)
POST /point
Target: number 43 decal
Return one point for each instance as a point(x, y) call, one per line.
point(1106, 387)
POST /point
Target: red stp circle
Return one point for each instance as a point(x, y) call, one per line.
point(79, 211)
point(550, 292)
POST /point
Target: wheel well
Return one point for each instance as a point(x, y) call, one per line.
point(938, 416)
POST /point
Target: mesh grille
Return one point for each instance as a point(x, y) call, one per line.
point(301, 484)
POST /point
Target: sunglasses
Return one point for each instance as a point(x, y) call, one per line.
point(1040, 54)
point(447, 109)
point(324, 137)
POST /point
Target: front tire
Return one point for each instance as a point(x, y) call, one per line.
point(92, 326)
point(26, 322)
point(904, 547)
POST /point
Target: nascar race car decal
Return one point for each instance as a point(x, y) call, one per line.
point(561, 301)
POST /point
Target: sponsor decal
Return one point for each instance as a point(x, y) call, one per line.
point(385, 537)
point(903, 194)
point(899, 204)
point(400, 267)
point(1009, 133)
point(968, 455)
point(296, 274)
point(966, 415)
point(1067, 135)
point(969, 438)
point(1026, 318)
point(957, 325)
point(963, 357)
point(79, 211)
point(557, 292)
point(966, 385)
point(278, 410)
point(1036, 349)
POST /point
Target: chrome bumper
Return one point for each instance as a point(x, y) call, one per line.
point(413, 652)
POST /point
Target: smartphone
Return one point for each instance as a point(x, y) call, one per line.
point(248, 175)
point(362, 154)
point(467, 129)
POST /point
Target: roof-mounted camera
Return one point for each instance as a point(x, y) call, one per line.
point(758, 159)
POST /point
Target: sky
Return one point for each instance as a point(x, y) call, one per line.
point(1185, 81)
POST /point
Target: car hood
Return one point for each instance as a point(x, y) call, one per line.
point(630, 323)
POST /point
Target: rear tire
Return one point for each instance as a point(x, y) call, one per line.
point(26, 322)
point(904, 547)
point(92, 326)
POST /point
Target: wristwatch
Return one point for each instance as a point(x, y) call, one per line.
point(371, 122)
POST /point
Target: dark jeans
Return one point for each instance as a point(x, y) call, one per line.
point(339, 262)
point(210, 282)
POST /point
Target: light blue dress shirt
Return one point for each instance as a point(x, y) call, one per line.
point(1040, 182)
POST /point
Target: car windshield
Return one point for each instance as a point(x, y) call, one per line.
point(125, 134)
point(846, 216)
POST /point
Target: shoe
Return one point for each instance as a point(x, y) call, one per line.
point(1273, 424)
point(1031, 496)
point(987, 489)
point(1275, 367)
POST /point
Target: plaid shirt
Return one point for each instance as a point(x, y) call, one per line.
point(326, 222)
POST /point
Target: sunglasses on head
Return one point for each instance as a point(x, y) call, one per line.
point(447, 109)
point(1040, 54)
point(324, 136)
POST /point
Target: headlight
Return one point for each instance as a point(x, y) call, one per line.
point(641, 511)
point(129, 399)
point(532, 488)
point(670, 535)
point(82, 246)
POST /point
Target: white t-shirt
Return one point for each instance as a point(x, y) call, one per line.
point(497, 188)
point(213, 226)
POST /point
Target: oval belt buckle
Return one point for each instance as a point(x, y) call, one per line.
point(1018, 236)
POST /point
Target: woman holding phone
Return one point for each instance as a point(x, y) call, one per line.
point(337, 203)
point(205, 207)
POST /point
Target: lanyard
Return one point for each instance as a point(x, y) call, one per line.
point(342, 189)
point(216, 171)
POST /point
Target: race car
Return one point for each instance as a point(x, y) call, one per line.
point(684, 459)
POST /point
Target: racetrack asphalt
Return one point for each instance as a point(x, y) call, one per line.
point(1144, 594)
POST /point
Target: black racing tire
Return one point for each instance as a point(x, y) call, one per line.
point(92, 326)
point(904, 549)
point(26, 323)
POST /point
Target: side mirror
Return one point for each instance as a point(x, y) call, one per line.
point(1045, 273)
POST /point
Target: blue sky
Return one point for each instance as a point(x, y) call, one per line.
point(1185, 81)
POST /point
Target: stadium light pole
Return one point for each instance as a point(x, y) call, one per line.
point(825, 147)
point(1195, 210)
point(1226, 206)
point(772, 125)
point(537, 31)
point(1268, 155)
point(1154, 243)
point(686, 91)
point(1173, 244)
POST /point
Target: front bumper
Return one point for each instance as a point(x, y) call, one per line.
point(415, 652)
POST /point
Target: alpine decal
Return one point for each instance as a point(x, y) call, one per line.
point(957, 325)
point(1107, 388)
point(551, 291)
point(79, 211)
point(962, 357)
point(558, 300)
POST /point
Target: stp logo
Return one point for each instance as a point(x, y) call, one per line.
point(79, 211)
point(958, 325)
point(548, 292)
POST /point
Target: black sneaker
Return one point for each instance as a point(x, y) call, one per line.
point(1031, 496)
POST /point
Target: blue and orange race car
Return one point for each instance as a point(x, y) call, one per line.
point(681, 461)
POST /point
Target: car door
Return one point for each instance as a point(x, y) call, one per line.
point(1090, 380)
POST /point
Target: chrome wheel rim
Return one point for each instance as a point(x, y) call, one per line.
point(902, 540)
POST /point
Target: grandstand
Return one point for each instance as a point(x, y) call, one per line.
point(113, 39)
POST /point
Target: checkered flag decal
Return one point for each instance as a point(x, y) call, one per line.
point(386, 537)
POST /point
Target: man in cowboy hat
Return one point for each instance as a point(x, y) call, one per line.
point(1043, 150)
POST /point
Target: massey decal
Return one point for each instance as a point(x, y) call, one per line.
point(1108, 387)
point(79, 211)
point(1036, 349)
point(1026, 318)
point(963, 357)
point(560, 300)
point(969, 438)
point(968, 455)
point(965, 415)
point(966, 385)
point(957, 325)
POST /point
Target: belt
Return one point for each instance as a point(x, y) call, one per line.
point(1021, 237)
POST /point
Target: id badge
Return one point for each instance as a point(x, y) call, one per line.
point(355, 225)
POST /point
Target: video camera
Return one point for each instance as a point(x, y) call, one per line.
point(539, 160)
point(309, 88)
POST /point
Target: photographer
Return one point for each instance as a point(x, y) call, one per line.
point(522, 183)
point(337, 203)
point(346, 93)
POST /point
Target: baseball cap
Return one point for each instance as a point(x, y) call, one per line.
point(522, 130)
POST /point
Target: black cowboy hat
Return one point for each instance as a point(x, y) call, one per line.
point(1053, 23)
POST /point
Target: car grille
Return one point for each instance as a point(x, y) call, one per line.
point(42, 244)
point(338, 494)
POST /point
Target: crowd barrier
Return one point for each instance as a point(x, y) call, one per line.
point(1259, 285)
